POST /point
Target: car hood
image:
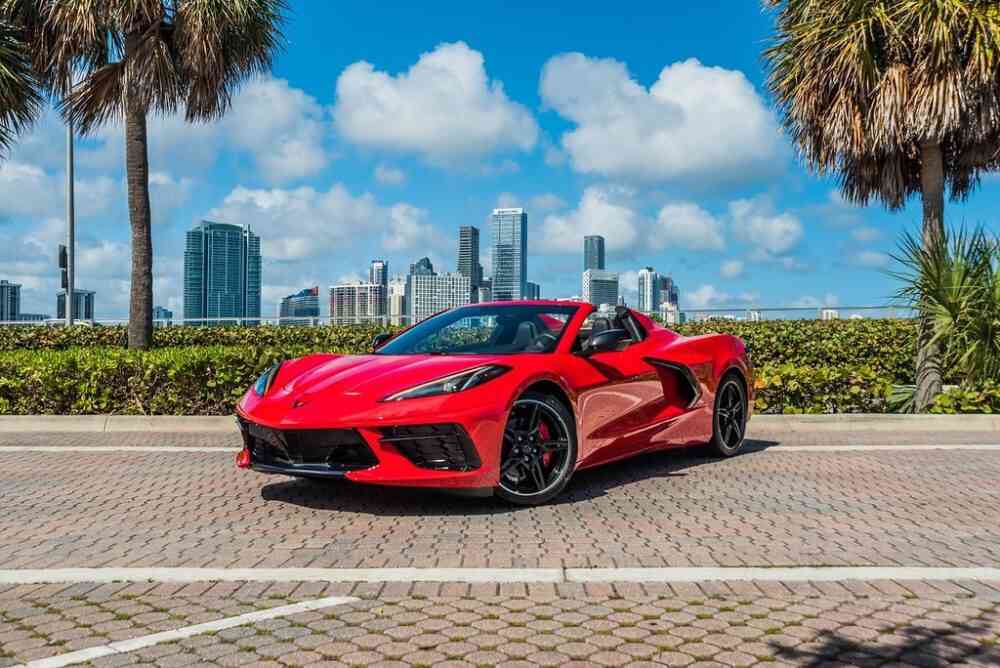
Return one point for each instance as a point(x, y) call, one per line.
point(376, 376)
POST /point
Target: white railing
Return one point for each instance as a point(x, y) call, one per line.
point(686, 315)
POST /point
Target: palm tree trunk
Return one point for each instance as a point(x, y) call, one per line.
point(929, 355)
point(140, 316)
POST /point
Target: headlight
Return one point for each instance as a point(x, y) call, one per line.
point(453, 383)
point(263, 383)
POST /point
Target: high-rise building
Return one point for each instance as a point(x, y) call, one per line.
point(162, 315)
point(649, 290)
point(510, 254)
point(468, 255)
point(669, 293)
point(600, 287)
point(83, 304)
point(378, 272)
point(222, 273)
point(397, 301)
point(593, 252)
point(10, 301)
point(427, 294)
point(300, 308)
point(532, 290)
point(422, 266)
point(485, 291)
point(358, 303)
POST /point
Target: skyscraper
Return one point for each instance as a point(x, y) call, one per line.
point(83, 304)
point(358, 303)
point(532, 291)
point(378, 272)
point(426, 294)
point(600, 287)
point(422, 266)
point(10, 301)
point(649, 290)
point(510, 254)
point(593, 252)
point(468, 255)
point(669, 294)
point(222, 273)
point(300, 308)
point(397, 300)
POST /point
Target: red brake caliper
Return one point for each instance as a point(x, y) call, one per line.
point(544, 434)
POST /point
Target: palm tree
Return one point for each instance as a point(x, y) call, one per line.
point(896, 98)
point(19, 96)
point(131, 58)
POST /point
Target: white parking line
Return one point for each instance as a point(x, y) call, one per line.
point(123, 646)
point(750, 448)
point(496, 575)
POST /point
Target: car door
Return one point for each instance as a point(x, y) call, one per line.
point(621, 398)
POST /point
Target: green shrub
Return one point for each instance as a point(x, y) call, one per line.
point(172, 381)
point(984, 398)
point(792, 389)
point(887, 346)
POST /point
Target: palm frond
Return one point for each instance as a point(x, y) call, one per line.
point(20, 100)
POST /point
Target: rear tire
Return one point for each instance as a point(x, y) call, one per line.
point(729, 417)
point(538, 452)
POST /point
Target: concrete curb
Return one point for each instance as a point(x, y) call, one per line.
point(760, 425)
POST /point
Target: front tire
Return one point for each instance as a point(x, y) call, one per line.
point(539, 450)
point(729, 419)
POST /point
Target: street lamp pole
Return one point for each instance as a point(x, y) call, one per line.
point(70, 225)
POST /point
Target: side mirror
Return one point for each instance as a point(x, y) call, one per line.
point(380, 340)
point(604, 342)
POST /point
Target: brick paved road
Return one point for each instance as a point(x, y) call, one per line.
point(103, 509)
point(922, 508)
point(535, 625)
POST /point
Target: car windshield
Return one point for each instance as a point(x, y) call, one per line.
point(487, 329)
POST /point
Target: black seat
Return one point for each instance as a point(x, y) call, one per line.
point(600, 325)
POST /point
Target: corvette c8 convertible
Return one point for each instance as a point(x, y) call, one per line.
point(508, 398)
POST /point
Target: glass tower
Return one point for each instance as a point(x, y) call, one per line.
point(222, 274)
point(510, 254)
point(10, 301)
point(593, 252)
point(468, 255)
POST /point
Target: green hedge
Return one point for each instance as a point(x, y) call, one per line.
point(172, 381)
point(886, 346)
point(208, 380)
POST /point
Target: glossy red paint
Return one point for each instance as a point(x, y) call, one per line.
point(654, 394)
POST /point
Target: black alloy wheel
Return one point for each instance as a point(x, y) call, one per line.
point(539, 450)
point(729, 423)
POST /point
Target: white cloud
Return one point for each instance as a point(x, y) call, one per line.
point(769, 233)
point(731, 268)
point(546, 202)
point(28, 190)
point(709, 296)
point(307, 223)
point(687, 225)
point(604, 210)
point(809, 301)
point(407, 230)
point(870, 259)
point(507, 200)
point(444, 108)
point(696, 123)
point(167, 194)
point(866, 234)
point(389, 176)
point(302, 222)
point(280, 127)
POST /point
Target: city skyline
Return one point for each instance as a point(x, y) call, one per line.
point(307, 159)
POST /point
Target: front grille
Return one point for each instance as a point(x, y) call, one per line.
point(330, 449)
point(442, 447)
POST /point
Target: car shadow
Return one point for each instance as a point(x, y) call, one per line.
point(953, 643)
point(586, 485)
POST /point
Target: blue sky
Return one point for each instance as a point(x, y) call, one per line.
point(385, 126)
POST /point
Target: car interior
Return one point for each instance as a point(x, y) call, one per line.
point(601, 321)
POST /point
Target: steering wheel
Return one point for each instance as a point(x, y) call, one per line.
point(543, 341)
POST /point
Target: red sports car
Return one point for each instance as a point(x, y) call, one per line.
point(508, 398)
